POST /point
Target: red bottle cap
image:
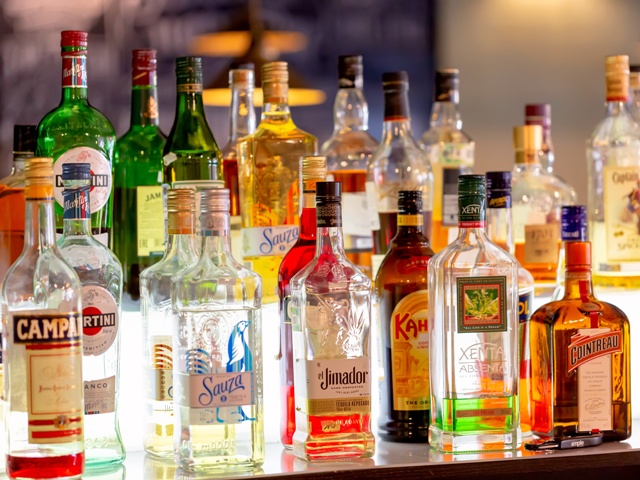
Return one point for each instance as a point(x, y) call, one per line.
point(538, 114)
point(578, 256)
point(144, 59)
point(73, 38)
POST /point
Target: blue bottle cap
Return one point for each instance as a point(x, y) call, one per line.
point(76, 171)
point(574, 223)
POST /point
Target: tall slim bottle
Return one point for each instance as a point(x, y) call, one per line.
point(500, 232)
point(397, 164)
point(217, 344)
point(348, 151)
point(613, 165)
point(330, 319)
point(451, 153)
point(100, 276)
point(573, 229)
point(44, 413)
point(138, 236)
point(269, 165)
point(242, 122)
point(157, 327)
point(312, 170)
point(12, 199)
point(401, 289)
point(76, 132)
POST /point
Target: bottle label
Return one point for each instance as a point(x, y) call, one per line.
point(74, 71)
point(100, 175)
point(357, 222)
point(622, 212)
point(372, 206)
point(76, 205)
point(99, 320)
point(482, 304)
point(189, 88)
point(54, 375)
point(335, 387)
point(410, 352)
point(100, 396)
point(267, 241)
point(412, 264)
point(149, 220)
point(498, 199)
point(525, 303)
point(159, 378)
point(541, 244)
point(471, 211)
point(410, 220)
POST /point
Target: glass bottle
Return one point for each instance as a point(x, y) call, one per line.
point(634, 92)
point(580, 359)
point(269, 164)
point(138, 239)
point(537, 198)
point(312, 170)
point(401, 290)
point(540, 114)
point(100, 276)
point(217, 344)
point(41, 292)
point(12, 199)
point(330, 320)
point(242, 122)
point(451, 153)
point(573, 229)
point(157, 327)
point(613, 165)
point(500, 232)
point(473, 335)
point(397, 164)
point(348, 151)
point(76, 132)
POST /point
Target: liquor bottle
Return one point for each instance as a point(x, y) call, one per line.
point(217, 340)
point(330, 320)
point(138, 238)
point(451, 153)
point(500, 232)
point(537, 199)
point(76, 132)
point(473, 335)
point(312, 170)
point(192, 158)
point(348, 151)
point(634, 92)
point(613, 162)
point(573, 229)
point(242, 119)
point(100, 276)
point(401, 289)
point(540, 114)
point(397, 164)
point(157, 328)
point(580, 354)
point(12, 199)
point(269, 161)
point(42, 332)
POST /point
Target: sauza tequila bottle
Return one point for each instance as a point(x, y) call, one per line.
point(217, 344)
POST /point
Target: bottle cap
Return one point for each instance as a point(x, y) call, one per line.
point(538, 114)
point(527, 138)
point(181, 200)
point(241, 75)
point(214, 200)
point(73, 38)
point(393, 80)
point(350, 71)
point(498, 181)
point(574, 223)
point(409, 202)
point(189, 65)
point(634, 68)
point(447, 85)
point(471, 185)
point(313, 167)
point(275, 72)
point(328, 192)
point(76, 171)
point(578, 256)
point(617, 77)
point(39, 171)
point(25, 138)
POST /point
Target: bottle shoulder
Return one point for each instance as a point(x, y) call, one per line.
point(346, 143)
point(86, 252)
point(574, 313)
point(528, 185)
point(329, 273)
point(438, 135)
point(473, 254)
point(267, 130)
point(76, 116)
point(616, 130)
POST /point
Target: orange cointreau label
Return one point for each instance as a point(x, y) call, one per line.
point(410, 353)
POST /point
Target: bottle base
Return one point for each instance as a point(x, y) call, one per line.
point(36, 465)
point(409, 436)
point(219, 464)
point(103, 458)
point(487, 441)
point(331, 447)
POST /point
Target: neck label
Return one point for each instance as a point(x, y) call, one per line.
point(76, 203)
point(189, 88)
point(471, 211)
point(410, 220)
point(328, 215)
point(74, 72)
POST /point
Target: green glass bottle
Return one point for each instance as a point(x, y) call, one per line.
point(138, 236)
point(191, 155)
point(75, 132)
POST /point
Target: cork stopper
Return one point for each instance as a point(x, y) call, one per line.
point(313, 168)
point(39, 171)
point(617, 77)
point(447, 85)
point(214, 200)
point(242, 75)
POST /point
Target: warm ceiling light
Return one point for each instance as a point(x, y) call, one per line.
point(298, 97)
point(236, 43)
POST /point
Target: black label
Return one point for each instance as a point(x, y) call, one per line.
point(328, 215)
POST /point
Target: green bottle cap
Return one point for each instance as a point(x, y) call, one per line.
point(471, 201)
point(189, 73)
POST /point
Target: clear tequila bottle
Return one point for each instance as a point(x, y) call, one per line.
point(157, 327)
point(217, 344)
point(100, 276)
point(473, 335)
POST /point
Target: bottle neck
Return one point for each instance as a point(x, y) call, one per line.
point(144, 106)
point(242, 120)
point(446, 114)
point(471, 215)
point(180, 244)
point(578, 285)
point(350, 110)
point(329, 237)
point(39, 231)
point(189, 103)
point(527, 159)
point(499, 228)
point(276, 102)
point(409, 230)
point(215, 234)
point(308, 216)
point(616, 107)
point(18, 162)
point(74, 77)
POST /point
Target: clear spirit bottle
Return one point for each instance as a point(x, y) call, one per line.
point(613, 163)
point(330, 316)
point(348, 151)
point(573, 229)
point(217, 344)
point(540, 114)
point(473, 336)
point(451, 153)
point(269, 174)
point(157, 326)
point(100, 276)
point(634, 88)
point(42, 327)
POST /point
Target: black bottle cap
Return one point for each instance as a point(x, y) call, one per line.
point(350, 71)
point(390, 80)
point(76, 171)
point(24, 138)
point(447, 85)
point(328, 212)
point(327, 192)
point(498, 181)
point(634, 68)
point(409, 202)
point(242, 66)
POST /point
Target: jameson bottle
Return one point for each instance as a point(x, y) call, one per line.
point(312, 170)
point(75, 132)
point(44, 438)
point(138, 236)
point(401, 288)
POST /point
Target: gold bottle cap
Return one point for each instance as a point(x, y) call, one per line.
point(527, 142)
point(617, 77)
point(39, 171)
point(181, 200)
point(275, 72)
point(313, 168)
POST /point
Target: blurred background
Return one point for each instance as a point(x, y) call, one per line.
point(509, 52)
